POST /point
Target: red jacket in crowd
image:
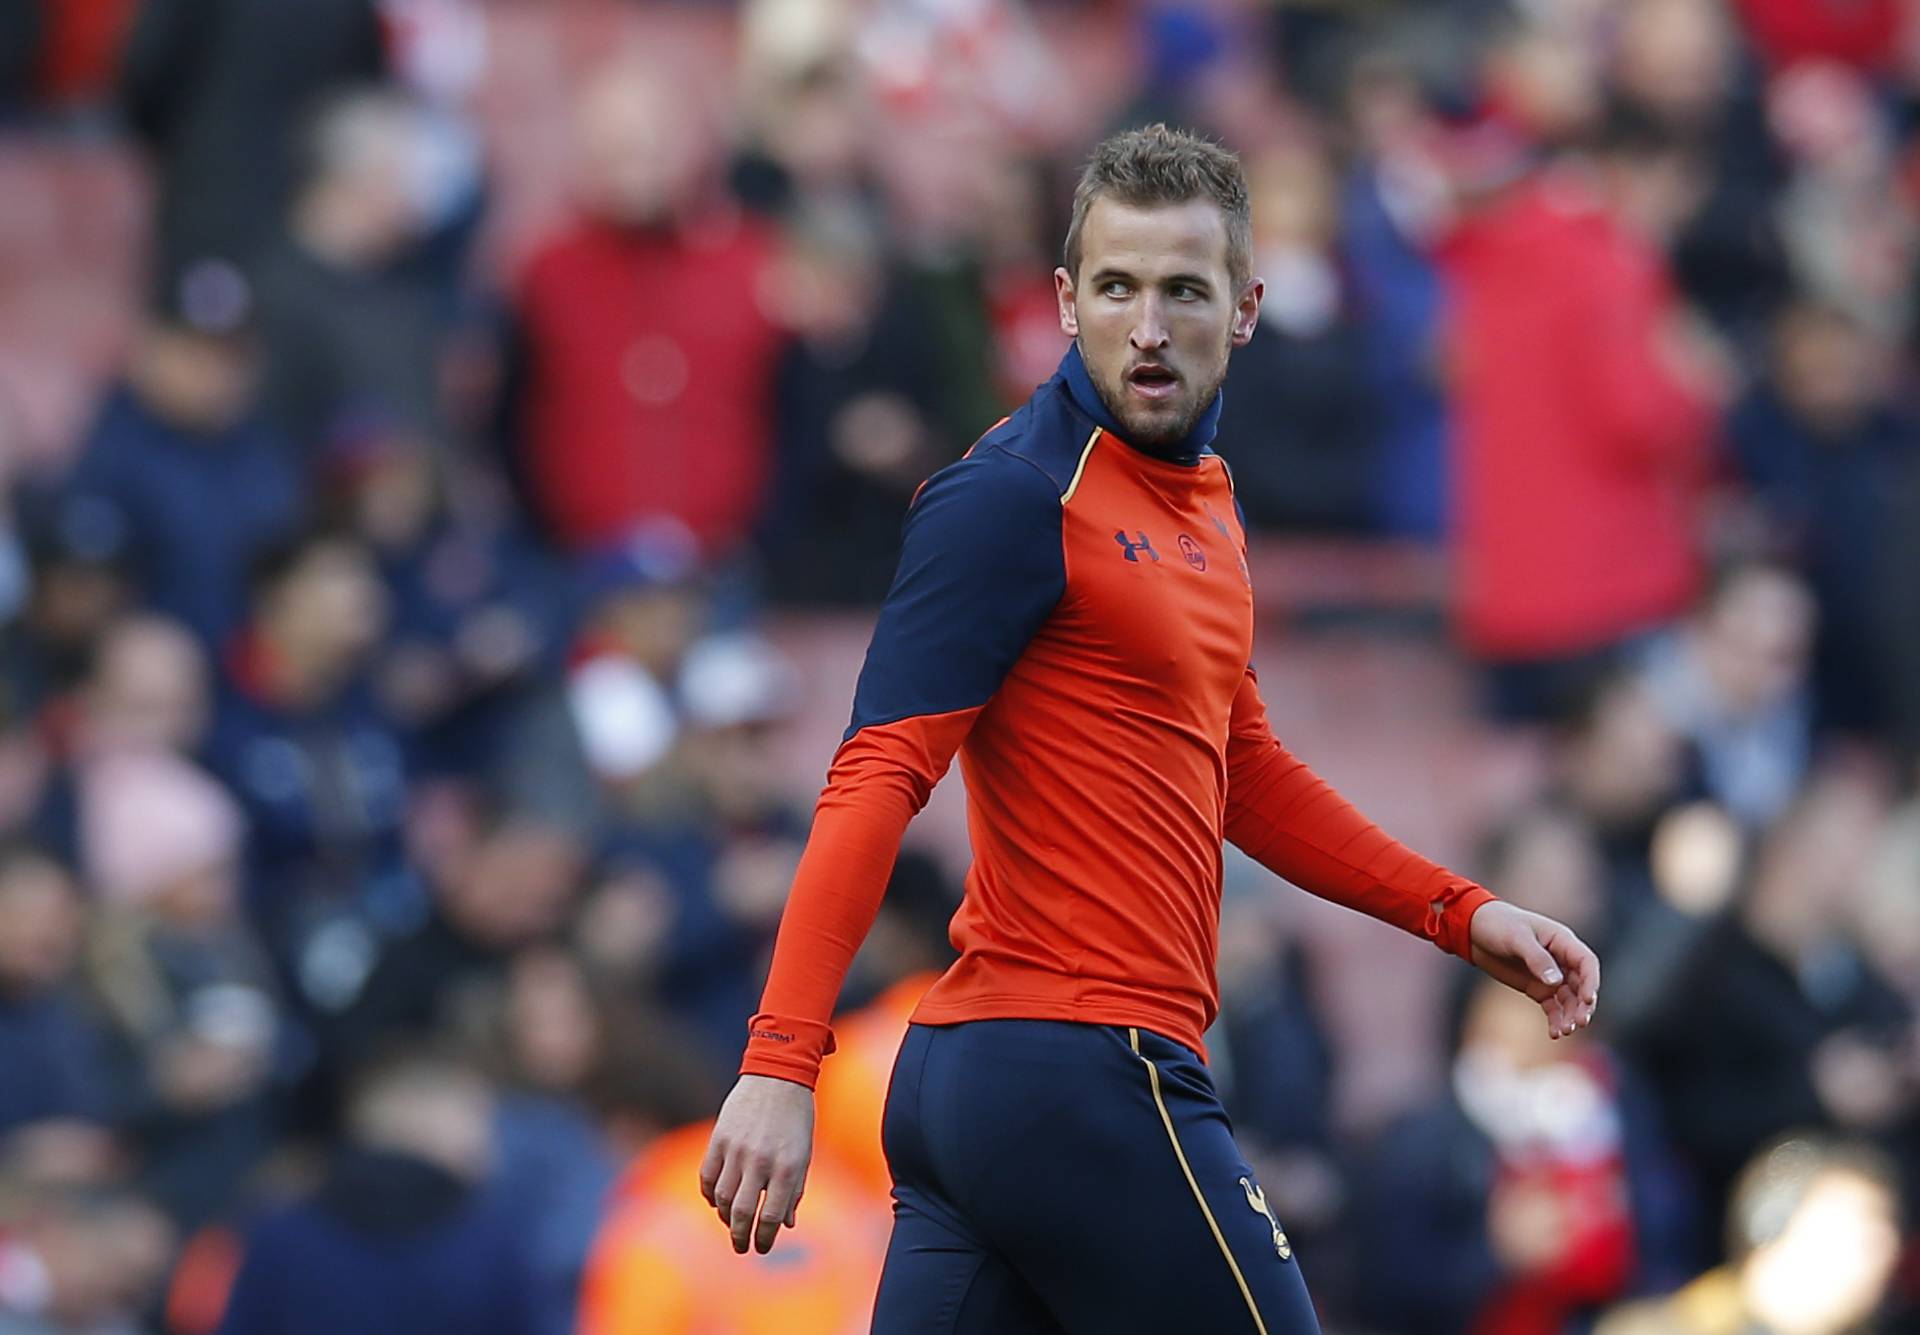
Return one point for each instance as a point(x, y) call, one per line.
point(1861, 33)
point(650, 357)
point(1581, 445)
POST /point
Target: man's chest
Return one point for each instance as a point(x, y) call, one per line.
point(1158, 604)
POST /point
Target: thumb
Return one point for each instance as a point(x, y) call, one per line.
point(1539, 963)
point(1523, 945)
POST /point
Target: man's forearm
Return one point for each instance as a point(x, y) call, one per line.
point(1293, 822)
point(881, 777)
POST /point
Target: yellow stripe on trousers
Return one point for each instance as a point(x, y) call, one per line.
point(1166, 1119)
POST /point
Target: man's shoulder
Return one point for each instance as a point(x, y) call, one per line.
point(1041, 442)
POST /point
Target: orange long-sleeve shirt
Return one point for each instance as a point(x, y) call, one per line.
point(1073, 617)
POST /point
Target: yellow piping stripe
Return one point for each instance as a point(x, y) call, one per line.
point(1166, 1119)
point(1086, 453)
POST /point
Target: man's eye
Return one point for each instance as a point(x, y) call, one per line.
point(1115, 289)
point(1185, 292)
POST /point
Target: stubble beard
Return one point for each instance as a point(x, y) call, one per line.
point(1152, 431)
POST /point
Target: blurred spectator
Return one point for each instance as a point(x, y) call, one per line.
point(300, 741)
point(855, 398)
point(1667, 861)
point(1780, 1021)
point(1299, 427)
point(1619, 767)
point(1822, 444)
point(1675, 61)
point(594, 741)
point(215, 89)
point(81, 563)
point(352, 346)
point(56, 1088)
point(1733, 682)
point(662, 1266)
point(548, 1035)
point(203, 1051)
point(1813, 1234)
point(963, 225)
point(1528, 1194)
point(645, 392)
point(181, 458)
point(1861, 33)
point(1017, 244)
point(400, 1236)
point(724, 832)
point(504, 884)
point(1547, 859)
point(477, 610)
point(79, 1262)
point(1398, 294)
point(1678, 63)
point(1582, 412)
point(1542, 75)
point(807, 114)
point(1849, 229)
point(147, 693)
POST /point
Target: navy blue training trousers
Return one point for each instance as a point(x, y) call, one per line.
point(1053, 1177)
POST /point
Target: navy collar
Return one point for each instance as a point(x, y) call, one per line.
point(1187, 450)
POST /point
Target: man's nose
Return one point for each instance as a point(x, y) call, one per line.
point(1149, 330)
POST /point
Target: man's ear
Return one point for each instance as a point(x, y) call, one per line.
point(1069, 311)
point(1246, 312)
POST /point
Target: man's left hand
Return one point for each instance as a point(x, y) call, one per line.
point(1540, 957)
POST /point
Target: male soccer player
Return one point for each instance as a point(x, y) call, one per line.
point(1072, 615)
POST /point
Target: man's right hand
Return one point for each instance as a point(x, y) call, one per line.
point(761, 1143)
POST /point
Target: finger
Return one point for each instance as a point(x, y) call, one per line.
point(1562, 1014)
point(1587, 978)
point(1539, 960)
point(773, 1214)
point(1577, 960)
point(710, 1167)
point(1575, 1002)
point(1556, 1016)
point(792, 1212)
point(745, 1206)
point(728, 1186)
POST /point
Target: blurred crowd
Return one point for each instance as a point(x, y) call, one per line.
point(391, 839)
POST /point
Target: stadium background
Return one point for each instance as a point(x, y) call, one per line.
point(451, 450)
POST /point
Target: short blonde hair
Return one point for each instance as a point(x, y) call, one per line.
point(1157, 165)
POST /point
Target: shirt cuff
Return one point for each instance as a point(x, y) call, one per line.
point(786, 1049)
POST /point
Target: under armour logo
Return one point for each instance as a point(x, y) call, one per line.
point(1257, 1202)
point(1133, 549)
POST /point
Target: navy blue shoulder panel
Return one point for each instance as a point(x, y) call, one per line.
point(981, 568)
point(1050, 431)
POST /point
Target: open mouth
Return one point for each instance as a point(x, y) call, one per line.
point(1153, 381)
